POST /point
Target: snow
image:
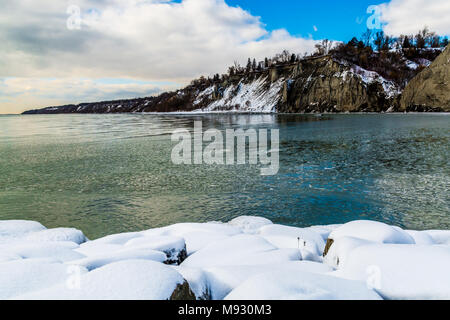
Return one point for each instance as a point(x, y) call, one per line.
point(241, 249)
point(401, 271)
point(245, 258)
point(294, 285)
point(222, 280)
point(246, 97)
point(124, 280)
point(94, 262)
point(14, 229)
point(307, 240)
point(60, 251)
point(440, 236)
point(24, 276)
point(250, 225)
point(372, 231)
point(59, 234)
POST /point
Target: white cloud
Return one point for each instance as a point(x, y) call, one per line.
point(156, 40)
point(409, 16)
point(152, 40)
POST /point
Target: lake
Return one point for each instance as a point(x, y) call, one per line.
point(113, 173)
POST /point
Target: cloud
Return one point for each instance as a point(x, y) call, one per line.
point(409, 16)
point(151, 40)
point(156, 40)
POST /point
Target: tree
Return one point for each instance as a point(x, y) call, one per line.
point(249, 65)
point(444, 42)
point(366, 37)
point(254, 66)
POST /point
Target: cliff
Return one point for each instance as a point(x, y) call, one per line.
point(315, 84)
point(430, 89)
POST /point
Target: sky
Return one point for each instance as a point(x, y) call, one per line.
point(72, 51)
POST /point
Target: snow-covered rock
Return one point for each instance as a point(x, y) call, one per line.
point(60, 251)
point(300, 286)
point(94, 262)
point(308, 241)
point(401, 271)
point(440, 236)
point(14, 229)
point(222, 280)
point(240, 250)
point(124, 280)
point(372, 231)
point(58, 234)
point(250, 225)
point(173, 247)
point(338, 252)
point(26, 276)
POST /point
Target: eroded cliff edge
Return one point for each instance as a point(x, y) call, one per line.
point(430, 89)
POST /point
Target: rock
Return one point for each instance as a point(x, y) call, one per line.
point(430, 89)
point(327, 246)
point(183, 293)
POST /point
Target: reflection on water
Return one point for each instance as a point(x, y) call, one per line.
point(112, 173)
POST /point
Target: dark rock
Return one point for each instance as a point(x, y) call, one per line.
point(183, 292)
point(328, 246)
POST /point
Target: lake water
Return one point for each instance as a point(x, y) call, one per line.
point(112, 173)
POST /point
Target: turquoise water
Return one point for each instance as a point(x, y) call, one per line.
point(113, 173)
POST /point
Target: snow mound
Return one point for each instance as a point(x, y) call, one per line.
point(222, 280)
point(250, 225)
point(310, 243)
point(300, 286)
point(372, 231)
point(239, 250)
point(341, 248)
point(440, 236)
point(401, 271)
point(173, 247)
point(120, 238)
point(25, 276)
point(13, 229)
point(94, 262)
point(59, 251)
point(58, 234)
point(124, 280)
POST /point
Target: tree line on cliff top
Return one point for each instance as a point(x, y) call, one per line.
point(389, 56)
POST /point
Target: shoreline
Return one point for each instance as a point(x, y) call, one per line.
point(245, 258)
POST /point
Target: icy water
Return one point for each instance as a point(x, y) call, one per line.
point(113, 173)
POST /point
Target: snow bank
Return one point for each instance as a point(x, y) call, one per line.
point(125, 280)
point(310, 242)
point(14, 229)
point(372, 231)
point(250, 225)
point(58, 234)
point(296, 285)
point(240, 250)
point(246, 258)
point(401, 271)
point(222, 280)
point(25, 276)
point(94, 262)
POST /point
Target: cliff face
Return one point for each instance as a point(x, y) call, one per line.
point(430, 89)
point(313, 85)
point(321, 84)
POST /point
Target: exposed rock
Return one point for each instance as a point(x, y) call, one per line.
point(183, 292)
point(430, 89)
point(328, 246)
